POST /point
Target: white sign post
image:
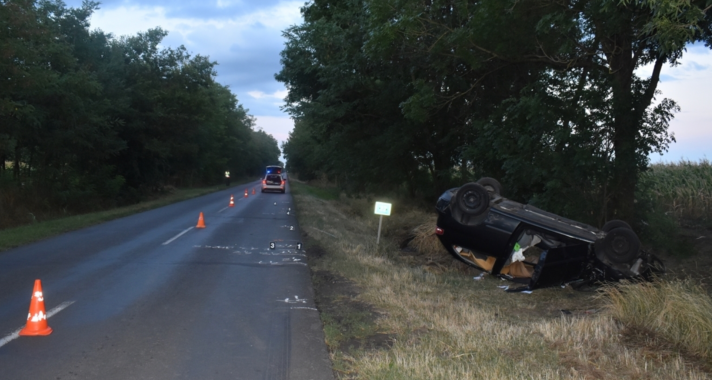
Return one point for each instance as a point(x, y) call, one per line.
point(381, 209)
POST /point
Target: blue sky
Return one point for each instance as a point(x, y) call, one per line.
point(245, 38)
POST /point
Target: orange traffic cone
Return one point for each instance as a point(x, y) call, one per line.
point(201, 221)
point(232, 201)
point(245, 193)
point(253, 191)
point(37, 318)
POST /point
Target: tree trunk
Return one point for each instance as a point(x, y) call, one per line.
point(625, 174)
point(16, 164)
point(441, 177)
point(619, 53)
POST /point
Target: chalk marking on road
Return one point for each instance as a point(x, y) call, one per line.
point(16, 334)
point(281, 264)
point(295, 300)
point(226, 207)
point(225, 247)
point(169, 241)
point(286, 253)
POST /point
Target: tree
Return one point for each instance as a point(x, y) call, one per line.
point(542, 94)
point(576, 45)
point(89, 120)
point(346, 103)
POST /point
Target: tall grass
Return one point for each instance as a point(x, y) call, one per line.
point(683, 188)
point(678, 311)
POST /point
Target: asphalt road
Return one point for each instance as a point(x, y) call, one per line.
point(151, 297)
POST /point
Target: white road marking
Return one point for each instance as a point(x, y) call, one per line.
point(177, 236)
point(16, 334)
point(295, 300)
point(226, 207)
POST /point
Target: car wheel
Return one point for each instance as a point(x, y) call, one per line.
point(472, 199)
point(492, 185)
point(611, 224)
point(621, 245)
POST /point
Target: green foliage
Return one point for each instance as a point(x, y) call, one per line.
point(90, 121)
point(542, 95)
point(671, 195)
point(683, 188)
point(325, 193)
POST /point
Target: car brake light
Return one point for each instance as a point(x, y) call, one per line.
point(264, 181)
point(439, 231)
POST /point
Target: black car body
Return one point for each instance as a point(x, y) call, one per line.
point(523, 243)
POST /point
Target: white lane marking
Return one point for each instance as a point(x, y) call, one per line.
point(16, 334)
point(226, 207)
point(177, 236)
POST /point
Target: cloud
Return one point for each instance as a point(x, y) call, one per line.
point(216, 9)
point(696, 61)
point(694, 66)
point(276, 95)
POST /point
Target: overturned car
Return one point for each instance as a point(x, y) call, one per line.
point(528, 245)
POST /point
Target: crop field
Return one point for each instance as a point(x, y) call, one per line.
point(404, 309)
point(683, 188)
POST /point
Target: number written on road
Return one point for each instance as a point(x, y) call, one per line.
point(271, 245)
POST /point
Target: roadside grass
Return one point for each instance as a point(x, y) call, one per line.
point(324, 193)
point(677, 312)
point(440, 323)
point(15, 237)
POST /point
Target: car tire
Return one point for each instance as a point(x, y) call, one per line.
point(621, 245)
point(491, 185)
point(611, 224)
point(472, 199)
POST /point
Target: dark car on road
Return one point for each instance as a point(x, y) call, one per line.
point(525, 244)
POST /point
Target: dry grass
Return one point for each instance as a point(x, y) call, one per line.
point(448, 326)
point(425, 240)
point(678, 311)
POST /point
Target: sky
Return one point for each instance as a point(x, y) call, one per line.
point(245, 38)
